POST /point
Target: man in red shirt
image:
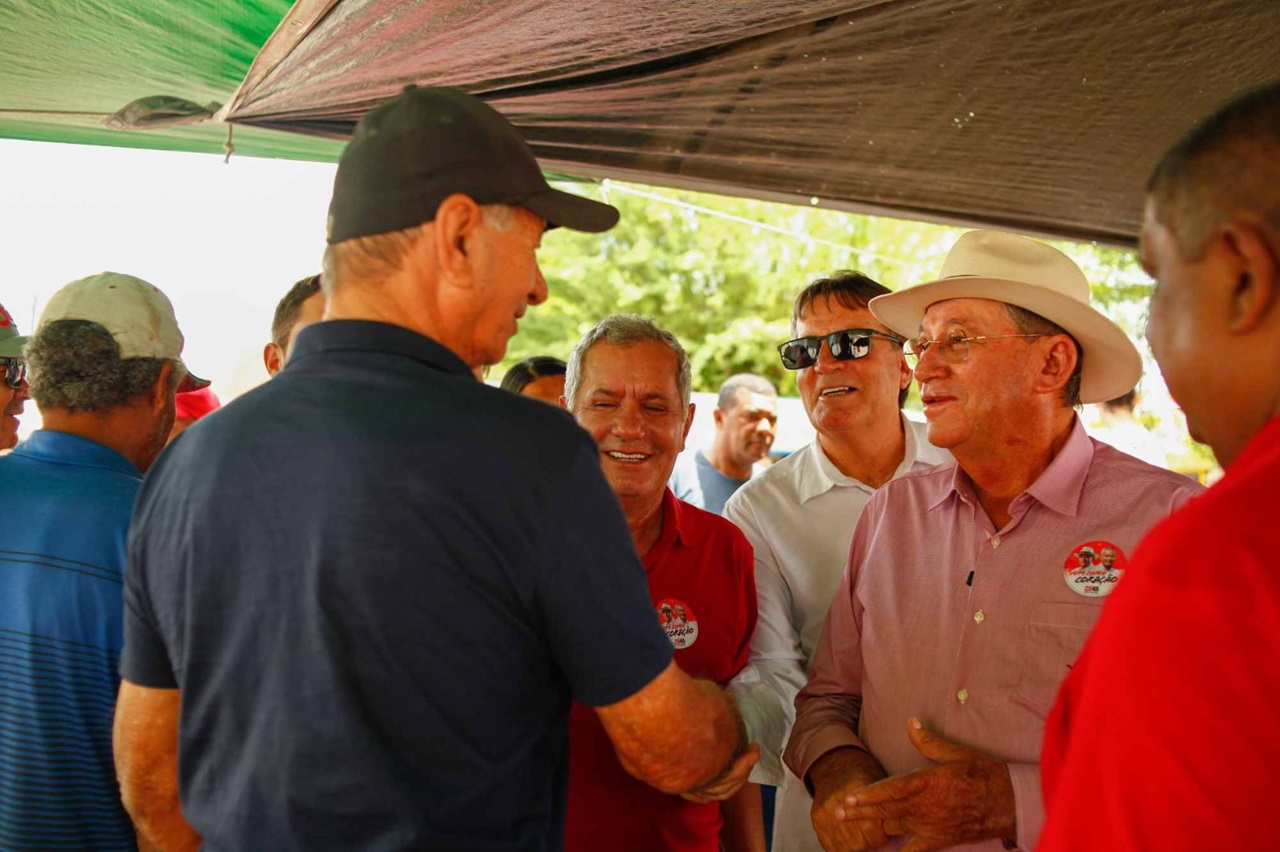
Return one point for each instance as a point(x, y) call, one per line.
point(628, 384)
point(1161, 737)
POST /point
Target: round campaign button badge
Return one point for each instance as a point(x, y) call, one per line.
point(678, 620)
point(1093, 569)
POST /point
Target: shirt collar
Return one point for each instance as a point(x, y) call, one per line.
point(364, 335)
point(672, 530)
point(1058, 488)
point(818, 474)
point(64, 448)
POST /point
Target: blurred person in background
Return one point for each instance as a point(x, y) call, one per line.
point(13, 380)
point(1122, 430)
point(746, 420)
point(300, 307)
point(541, 377)
point(190, 407)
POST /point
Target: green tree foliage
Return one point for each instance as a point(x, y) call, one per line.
point(721, 273)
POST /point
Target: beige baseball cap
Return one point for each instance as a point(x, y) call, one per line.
point(136, 313)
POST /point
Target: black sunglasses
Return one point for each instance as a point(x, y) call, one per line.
point(15, 372)
point(847, 345)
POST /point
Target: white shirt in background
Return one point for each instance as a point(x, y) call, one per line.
point(799, 516)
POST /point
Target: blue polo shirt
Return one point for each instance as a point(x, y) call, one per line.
point(378, 583)
point(68, 501)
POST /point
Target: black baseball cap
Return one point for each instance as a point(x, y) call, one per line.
point(416, 150)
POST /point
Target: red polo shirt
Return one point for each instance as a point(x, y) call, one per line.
point(702, 583)
point(1164, 736)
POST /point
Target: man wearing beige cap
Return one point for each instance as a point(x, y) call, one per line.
point(13, 380)
point(961, 609)
point(105, 360)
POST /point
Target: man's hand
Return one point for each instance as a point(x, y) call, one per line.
point(836, 776)
point(729, 782)
point(965, 797)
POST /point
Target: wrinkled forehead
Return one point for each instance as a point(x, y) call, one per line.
point(983, 314)
point(648, 366)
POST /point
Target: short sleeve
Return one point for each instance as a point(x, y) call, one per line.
point(144, 660)
point(592, 592)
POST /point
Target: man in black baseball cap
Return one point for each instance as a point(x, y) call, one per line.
point(429, 143)
point(370, 598)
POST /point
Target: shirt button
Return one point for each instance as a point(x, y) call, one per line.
point(963, 695)
point(995, 541)
point(979, 617)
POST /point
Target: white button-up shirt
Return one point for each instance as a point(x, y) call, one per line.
point(799, 516)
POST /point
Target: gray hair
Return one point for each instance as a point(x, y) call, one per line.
point(1029, 322)
point(76, 365)
point(626, 330)
point(728, 398)
point(377, 256)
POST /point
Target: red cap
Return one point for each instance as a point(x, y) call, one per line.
point(195, 404)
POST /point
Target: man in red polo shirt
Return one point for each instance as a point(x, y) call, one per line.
point(628, 385)
point(1163, 735)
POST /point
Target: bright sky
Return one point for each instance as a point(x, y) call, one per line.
point(224, 242)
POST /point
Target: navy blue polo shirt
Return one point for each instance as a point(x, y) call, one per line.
point(378, 583)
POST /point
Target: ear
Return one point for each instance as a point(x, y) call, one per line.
point(272, 358)
point(688, 422)
point(717, 416)
point(905, 378)
point(1255, 293)
point(458, 219)
point(160, 394)
point(1058, 364)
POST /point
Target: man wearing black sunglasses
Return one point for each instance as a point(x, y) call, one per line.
point(13, 380)
point(799, 514)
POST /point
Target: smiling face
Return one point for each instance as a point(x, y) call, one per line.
point(849, 395)
point(628, 399)
point(975, 404)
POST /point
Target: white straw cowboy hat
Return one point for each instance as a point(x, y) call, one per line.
point(1033, 276)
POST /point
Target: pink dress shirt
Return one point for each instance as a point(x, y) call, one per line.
point(972, 629)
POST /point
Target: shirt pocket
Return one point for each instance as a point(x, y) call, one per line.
point(1056, 634)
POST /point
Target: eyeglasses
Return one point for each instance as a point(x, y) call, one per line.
point(15, 372)
point(953, 349)
point(847, 345)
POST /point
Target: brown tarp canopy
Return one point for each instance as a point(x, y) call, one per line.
point(1035, 115)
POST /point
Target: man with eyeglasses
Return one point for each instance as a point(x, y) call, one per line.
point(956, 619)
point(799, 514)
point(105, 363)
point(13, 388)
point(1170, 709)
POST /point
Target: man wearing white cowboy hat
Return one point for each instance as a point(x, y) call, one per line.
point(957, 616)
